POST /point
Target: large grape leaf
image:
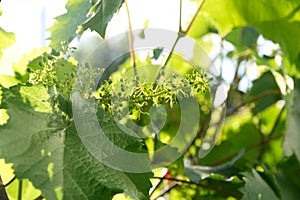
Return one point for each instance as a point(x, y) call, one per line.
point(7, 39)
point(33, 140)
point(291, 142)
point(47, 150)
point(65, 27)
point(102, 12)
point(87, 178)
point(257, 188)
point(277, 20)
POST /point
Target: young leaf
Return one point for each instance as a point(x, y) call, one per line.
point(102, 13)
point(65, 27)
point(7, 81)
point(7, 39)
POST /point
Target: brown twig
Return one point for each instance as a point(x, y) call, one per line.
point(3, 194)
point(166, 190)
point(39, 197)
point(250, 147)
point(209, 187)
point(8, 183)
point(254, 99)
point(194, 17)
point(157, 185)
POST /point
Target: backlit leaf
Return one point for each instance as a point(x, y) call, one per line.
point(102, 13)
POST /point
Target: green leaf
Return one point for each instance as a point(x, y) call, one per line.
point(197, 172)
point(88, 172)
point(286, 178)
point(268, 118)
point(243, 38)
point(220, 188)
point(256, 188)
point(7, 39)
point(157, 52)
point(268, 61)
point(28, 191)
point(203, 25)
point(87, 178)
point(102, 12)
point(20, 67)
point(237, 135)
point(277, 20)
point(292, 68)
point(66, 25)
point(31, 140)
point(7, 81)
point(50, 154)
point(292, 137)
point(265, 92)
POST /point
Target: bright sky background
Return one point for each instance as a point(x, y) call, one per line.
point(29, 19)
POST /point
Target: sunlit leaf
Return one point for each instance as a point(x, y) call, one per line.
point(7, 39)
point(8, 81)
point(66, 25)
point(51, 155)
point(32, 140)
point(102, 13)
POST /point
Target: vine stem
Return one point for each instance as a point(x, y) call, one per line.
point(254, 99)
point(210, 187)
point(166, 190)
point(180, 34)
point(194, 17)
point(250, 147)
point(3, 194)
point(130, 36)
point(180, 16)
point(20, 190)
